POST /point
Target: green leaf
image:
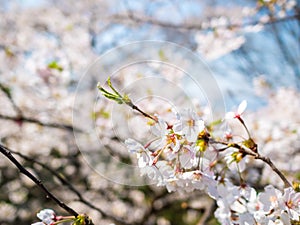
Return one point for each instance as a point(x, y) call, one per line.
point(237, 156)
point(216, 122)
point(6, 90)
point(110, 96)
point(104, 114)
point(296, 186)
point(9, 52)
point(297, 175)
point(110, 85)
point(54, 65)
point(79, 220)
point(105, 91)
point(109, 82)
point(249, 143)
point(116, 96)
point(294, 131)
point(101, 113)
point(162, 55)
point(126, 99)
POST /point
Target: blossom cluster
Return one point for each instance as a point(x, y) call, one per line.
point(242, 205)
point(177, 156)
point(185, 155)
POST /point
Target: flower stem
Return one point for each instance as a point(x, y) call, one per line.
point(244, 125)
point(64, 220)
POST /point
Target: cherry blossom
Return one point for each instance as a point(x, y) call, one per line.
point(189, 124)
point(49, 59)
point(143, 155)
point(270, 199)
point(241, 109)
point(187, 157)
point(236, 160)
point(47, 216)
point(292, 203)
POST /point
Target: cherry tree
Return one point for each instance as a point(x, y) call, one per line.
point(46, 47)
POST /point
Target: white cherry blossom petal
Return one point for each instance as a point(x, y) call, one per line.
point(242, 107)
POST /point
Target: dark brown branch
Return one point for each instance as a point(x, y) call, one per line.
point(7, 153)
point(66, 183)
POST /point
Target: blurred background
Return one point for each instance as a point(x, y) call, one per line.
point(252, 48)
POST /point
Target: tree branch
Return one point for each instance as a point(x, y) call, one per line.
point(133, 18)
point(22, 118)
point(66, 183)
point(275, 169)
point(7, 153)
point(256, 155)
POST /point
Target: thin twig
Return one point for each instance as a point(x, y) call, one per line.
point(275, 169)
point(134, 107)
point(256, 155)
point(121, 99)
